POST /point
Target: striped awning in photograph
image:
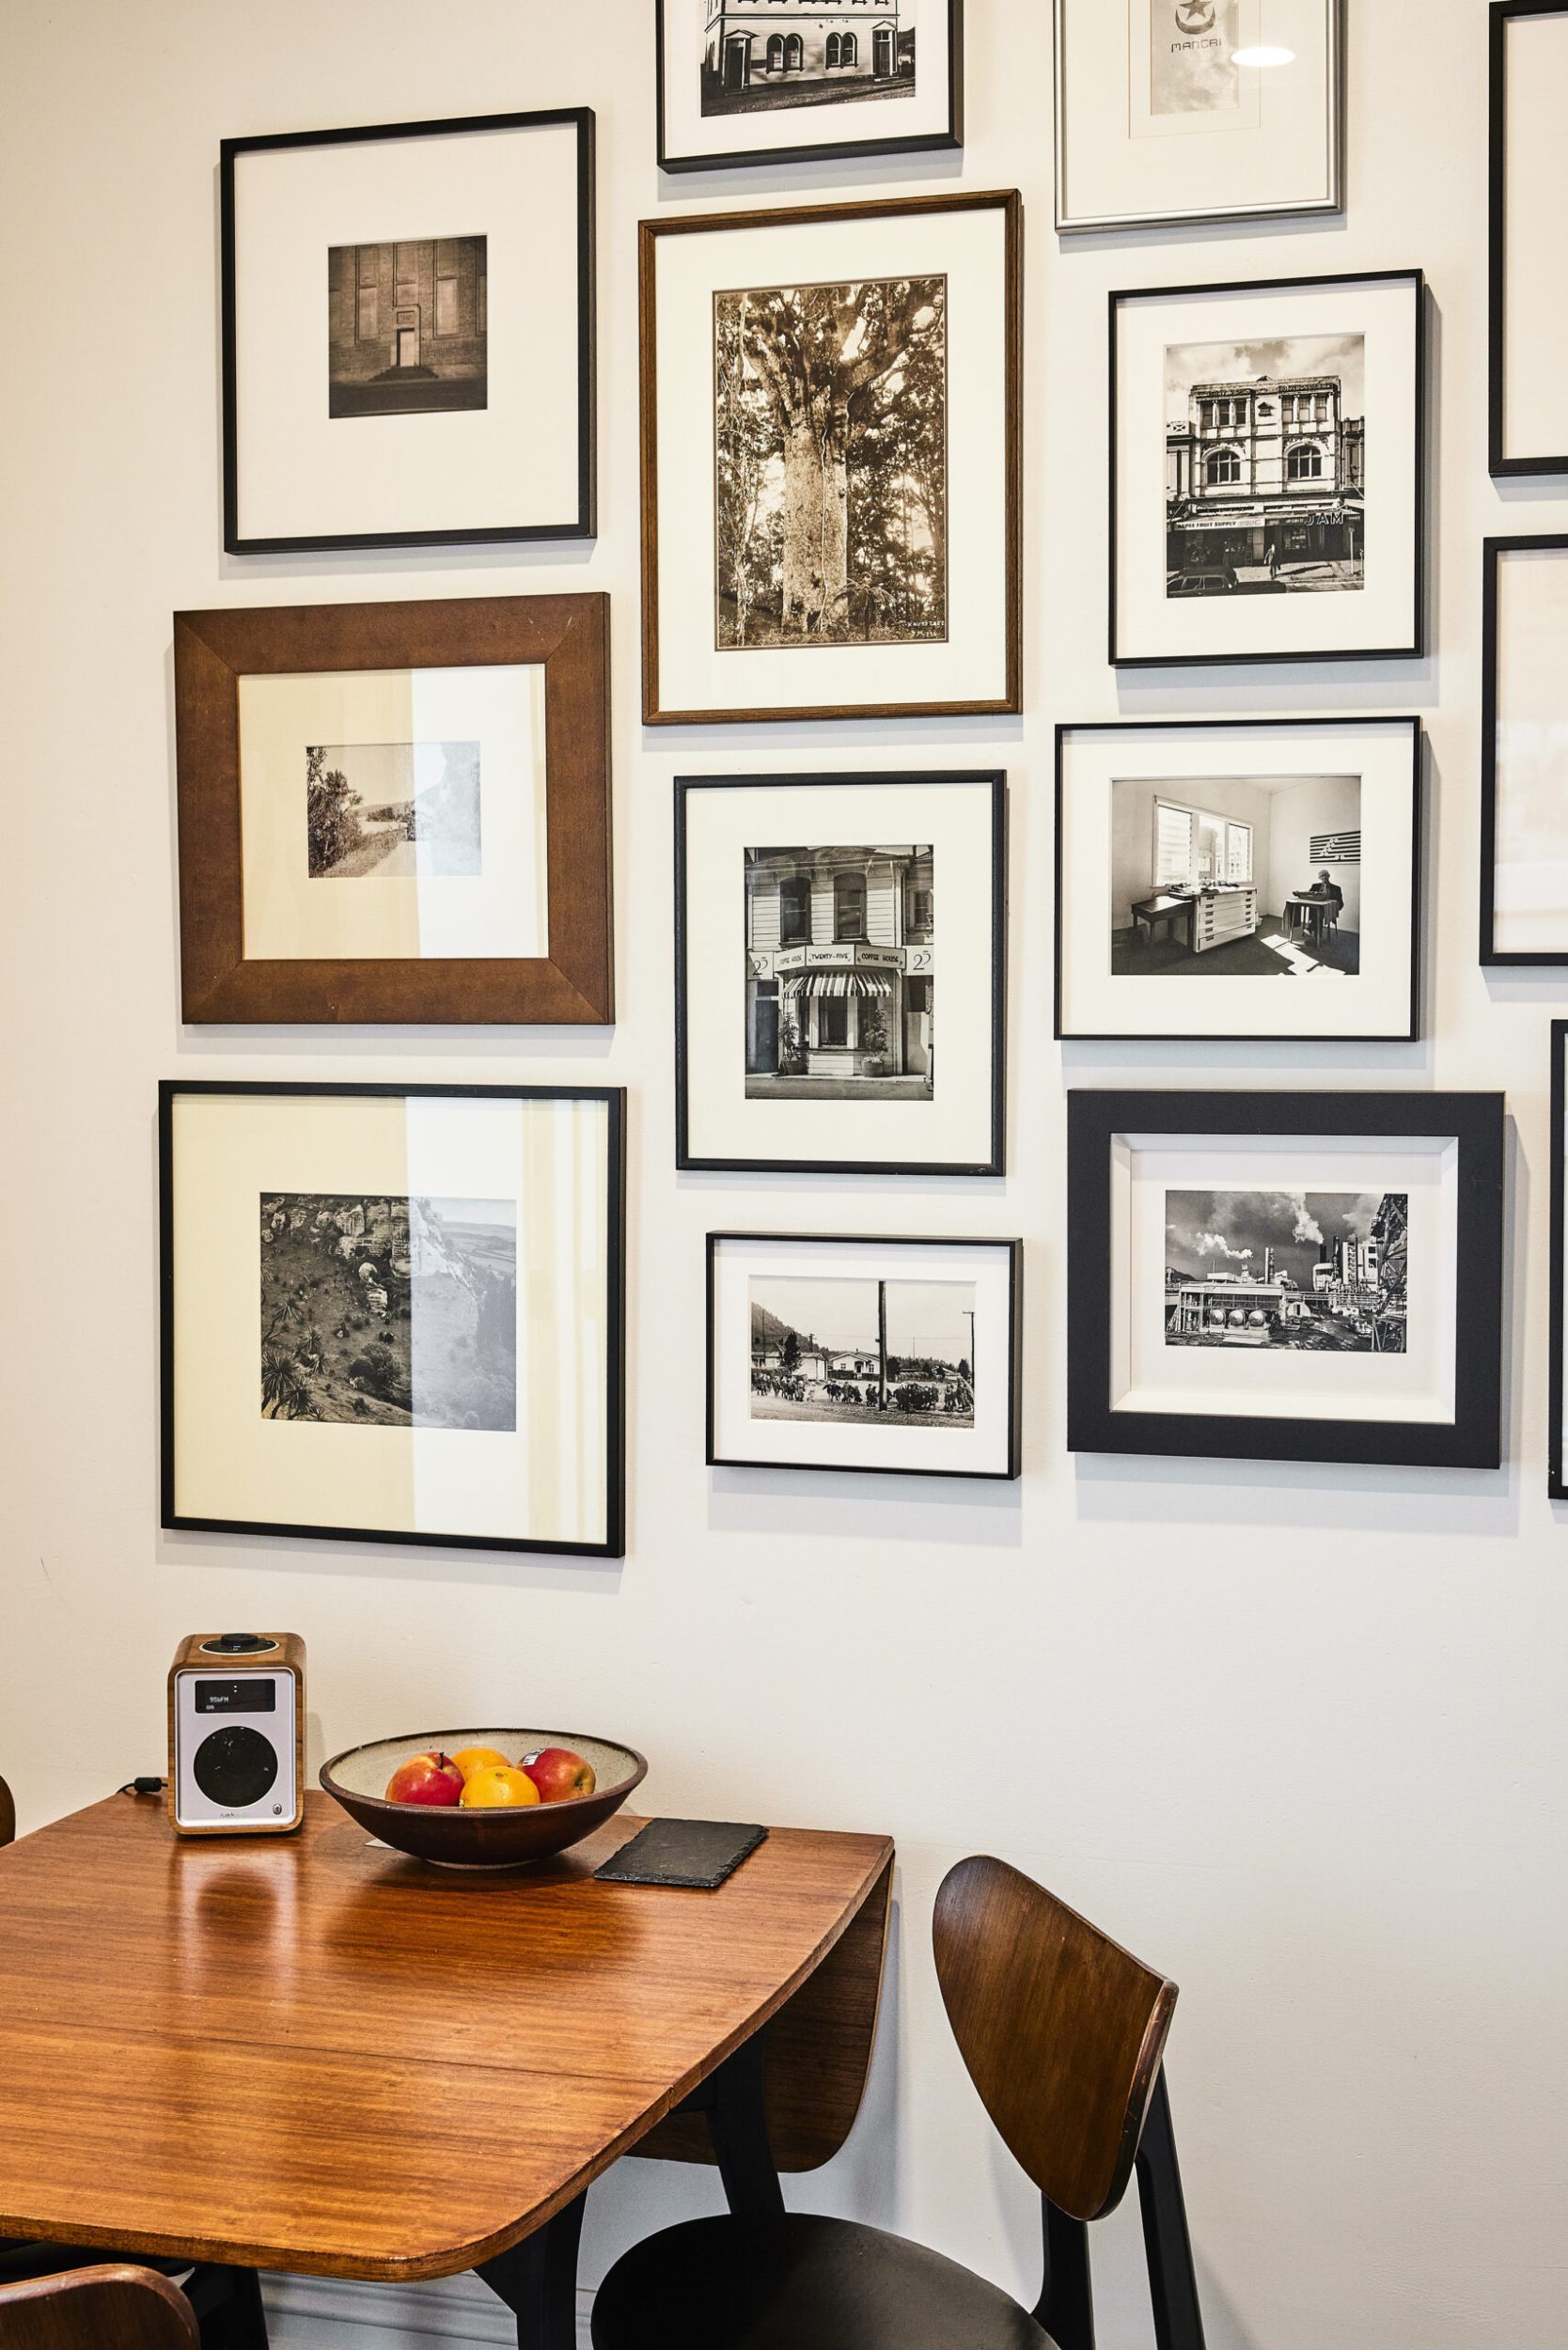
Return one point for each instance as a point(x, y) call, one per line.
point(841, 983)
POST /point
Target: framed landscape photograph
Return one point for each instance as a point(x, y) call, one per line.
point(1287, 1277)
point(900, 1357)
point(1244, 853)
point(1524, 752)
point(408, 333)
point(810, 1029)
point(748, 81)
point(1268, 470)
point(396, 812)
point(1529, 237)
point(395, 1314)
point(1187, 110)
point(832, 462)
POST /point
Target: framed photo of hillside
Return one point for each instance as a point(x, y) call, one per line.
point(897, 1357)
point(407, 360)
point(832, 462)
point(396, 812)
point(750, 81)
point(395, 1314)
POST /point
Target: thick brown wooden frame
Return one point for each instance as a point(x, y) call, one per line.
point(1010, 204)
point(573, 986)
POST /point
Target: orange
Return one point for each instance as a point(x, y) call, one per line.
point(474, 1759)
point(490, 1789)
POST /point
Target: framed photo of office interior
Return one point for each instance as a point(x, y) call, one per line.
point(745, 81)
point(832, 462)
point(1268, 470)
point(388, 295)
point(1524, 752)
point(1303, 1276)
point(396, 812)
point(900, 1358)
point(1277, 861)
point(813, 1029)
point(1529, 194)
point(1189, 110)
point(395, 1314)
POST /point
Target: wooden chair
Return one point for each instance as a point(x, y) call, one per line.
point(1063, 2035)
point(7, 1816)
point(97, 2308)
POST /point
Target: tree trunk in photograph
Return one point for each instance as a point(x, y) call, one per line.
point(816, 530)
point(882, 1345)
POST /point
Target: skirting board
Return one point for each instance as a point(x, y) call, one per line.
point(322, 2313)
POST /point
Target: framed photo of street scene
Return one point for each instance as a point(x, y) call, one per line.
point(1287, 1277)
point(748, 82)
point(1524, 752)
point(810, 1029)
point(1277, 861)
point(408, 333)
point(395, 1314)
point(1189, 110)
point(1268, 470)
point(897, 1357)
point(1529, 402)
point(396, 812)
point(832, 462)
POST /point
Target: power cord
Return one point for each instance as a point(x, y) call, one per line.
point(142, 1787)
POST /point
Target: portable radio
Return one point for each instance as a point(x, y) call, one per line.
point(237, 1734)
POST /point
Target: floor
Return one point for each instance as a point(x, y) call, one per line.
point(1269, 954)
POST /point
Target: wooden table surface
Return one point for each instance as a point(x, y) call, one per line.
point(311, 2054)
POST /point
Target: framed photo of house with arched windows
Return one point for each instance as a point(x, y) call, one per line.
point(788, 81)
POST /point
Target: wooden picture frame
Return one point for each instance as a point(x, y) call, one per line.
point(1507, 17)
point(993, 658)
point(1462, 1220)
point(568, 637)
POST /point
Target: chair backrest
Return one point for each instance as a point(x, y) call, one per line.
point(97, 2308)
point(8, 1815)
point(1062, 2031)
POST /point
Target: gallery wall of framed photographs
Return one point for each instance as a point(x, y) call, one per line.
point(860, 756)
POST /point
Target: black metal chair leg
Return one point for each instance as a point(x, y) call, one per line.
point(736, 2107)
point(538, 2282)
point(1066, 2305)
point(1172, 2280)
point(228, 2303)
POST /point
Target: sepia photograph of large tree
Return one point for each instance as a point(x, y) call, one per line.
point(831, 451)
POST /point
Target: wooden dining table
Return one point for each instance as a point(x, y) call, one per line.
point(309, 2053)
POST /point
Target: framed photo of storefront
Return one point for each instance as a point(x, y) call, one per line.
point(832, 462)
point(1287, 1277)
point(396, 812)
point(1268, 470)
point(1524, 752)
point(814, 1028)
point(1187, 110)
point(749, 81)
point(395, 1314)
point(408, 333)
point(1528, 378)
point(1277, 861)
point(886, 1356)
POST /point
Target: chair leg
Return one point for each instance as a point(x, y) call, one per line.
point(538, 2282)
point(1172, 2280)
point(1066, 2305)
point(228, 2307)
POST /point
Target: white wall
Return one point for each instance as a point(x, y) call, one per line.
point(1295, 1734)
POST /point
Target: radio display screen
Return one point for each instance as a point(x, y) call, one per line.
point(250, 1695)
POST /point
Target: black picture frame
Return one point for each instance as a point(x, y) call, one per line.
point(840, 151)
point(995, 1162)
point(614, 1100)
point(1013, 1249)
point(1415, 650)
point(1493, 554)
point(1557, 1489)
point(1502, 14)
point(1207, 726)
point(582, 522)
point(1476, 1121)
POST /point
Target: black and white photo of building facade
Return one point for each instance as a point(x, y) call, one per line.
point(839, 974)
point(759, 55)
point(407, 327)
point(1265, 466)
point(901, 1353)
point(1305, 1272)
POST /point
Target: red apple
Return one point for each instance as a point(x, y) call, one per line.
point(557, 1772)
point(426, 1779)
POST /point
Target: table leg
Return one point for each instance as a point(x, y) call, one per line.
point(538, 2282)
point(736, 2110)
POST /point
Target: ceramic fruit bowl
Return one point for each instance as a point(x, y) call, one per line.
point(458, 1838)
